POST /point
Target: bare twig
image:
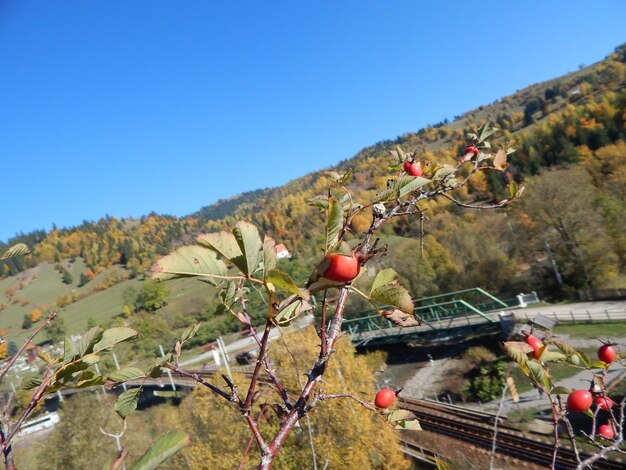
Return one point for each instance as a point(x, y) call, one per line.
point(367, 405)
point(197, 378)
point(495, 428)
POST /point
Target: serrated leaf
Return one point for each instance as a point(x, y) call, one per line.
point(250, 244)
point(68, 372)
point(597, 365)
point(91, 337)
point(114, 336)
point(499, 161)
point(189, 333)
point(69, 350)
point(345, 177)
point(560, 391)
point(282, 280)
point(44, 356)
point(334, 222)
point(269, 255)
point(393, 295)
point(166, 445)
point(553, 356)
point(15, 250)
point(398, 415)
point(188, 261)
point(90, 359)
point(385, 195)
point(585, 358)
point(538, 374)
point(516, 351)
point(410, 424)
point(407, 184)
point(384, 277)
point(318, 201)
point(126, 403)
point(400, 318)
point(28, 383)
point(228, 295)
point(290, 309)
point(125, 374)
point(222, 242)
point(89, 378)
point(443, 172)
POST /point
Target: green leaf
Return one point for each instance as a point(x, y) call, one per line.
point(395, 296)
point(189, 333)
point(89, 378)
point(125, 374)
point(68, 372)
point(87, 341)
point(560, 391)
point(320, 201)
point(334, 222)
point(269, 255)
point(69, 350)
point(30, 382)
point(249, 241)
point(597, 365)
point(518, 353)
point(412, 425)
point(162, 448)
point(538, 374)
point(552, 356)
point(90, 359)
point(114, 336)
point(282, 280)
point(398, 415)
point(385, 195)
point(443, 172)
point(126, 403)
point(384, 277)
point(290, 309)
point(407, 184)
point(188, 261)
point(222, 242)
point(15, 250)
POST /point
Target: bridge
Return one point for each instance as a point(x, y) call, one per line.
point(445, 317)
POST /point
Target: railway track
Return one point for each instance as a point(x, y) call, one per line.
point(477, 428)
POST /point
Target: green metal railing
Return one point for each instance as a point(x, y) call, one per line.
point(433, 316)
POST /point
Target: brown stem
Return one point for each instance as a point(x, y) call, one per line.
point(232, 397)
point(9, 364)
point(367, 405)
point(259, 362)
point(266, 361)
point(314, 376)
point(323, 323)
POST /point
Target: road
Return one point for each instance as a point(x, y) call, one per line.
point(248, 343)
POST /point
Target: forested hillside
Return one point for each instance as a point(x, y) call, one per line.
point(571, 130)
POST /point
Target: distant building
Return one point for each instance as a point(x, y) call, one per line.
point(282, 251)
point(31, 353)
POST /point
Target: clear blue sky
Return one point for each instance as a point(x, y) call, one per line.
point(122, 108)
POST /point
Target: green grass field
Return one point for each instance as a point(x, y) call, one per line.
point(592, 330)
point(43, 285)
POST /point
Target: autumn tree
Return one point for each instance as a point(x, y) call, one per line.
point(560, 205)
point(339, 434)
point(35, 315)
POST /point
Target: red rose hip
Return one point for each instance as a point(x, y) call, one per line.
point(607, 353)
point(604, 403)
point(384, 398)
point(342, 268)
point(412, 168)
point(534, 343)
point(579, 400)
point(606, 431)
point(471, 149)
